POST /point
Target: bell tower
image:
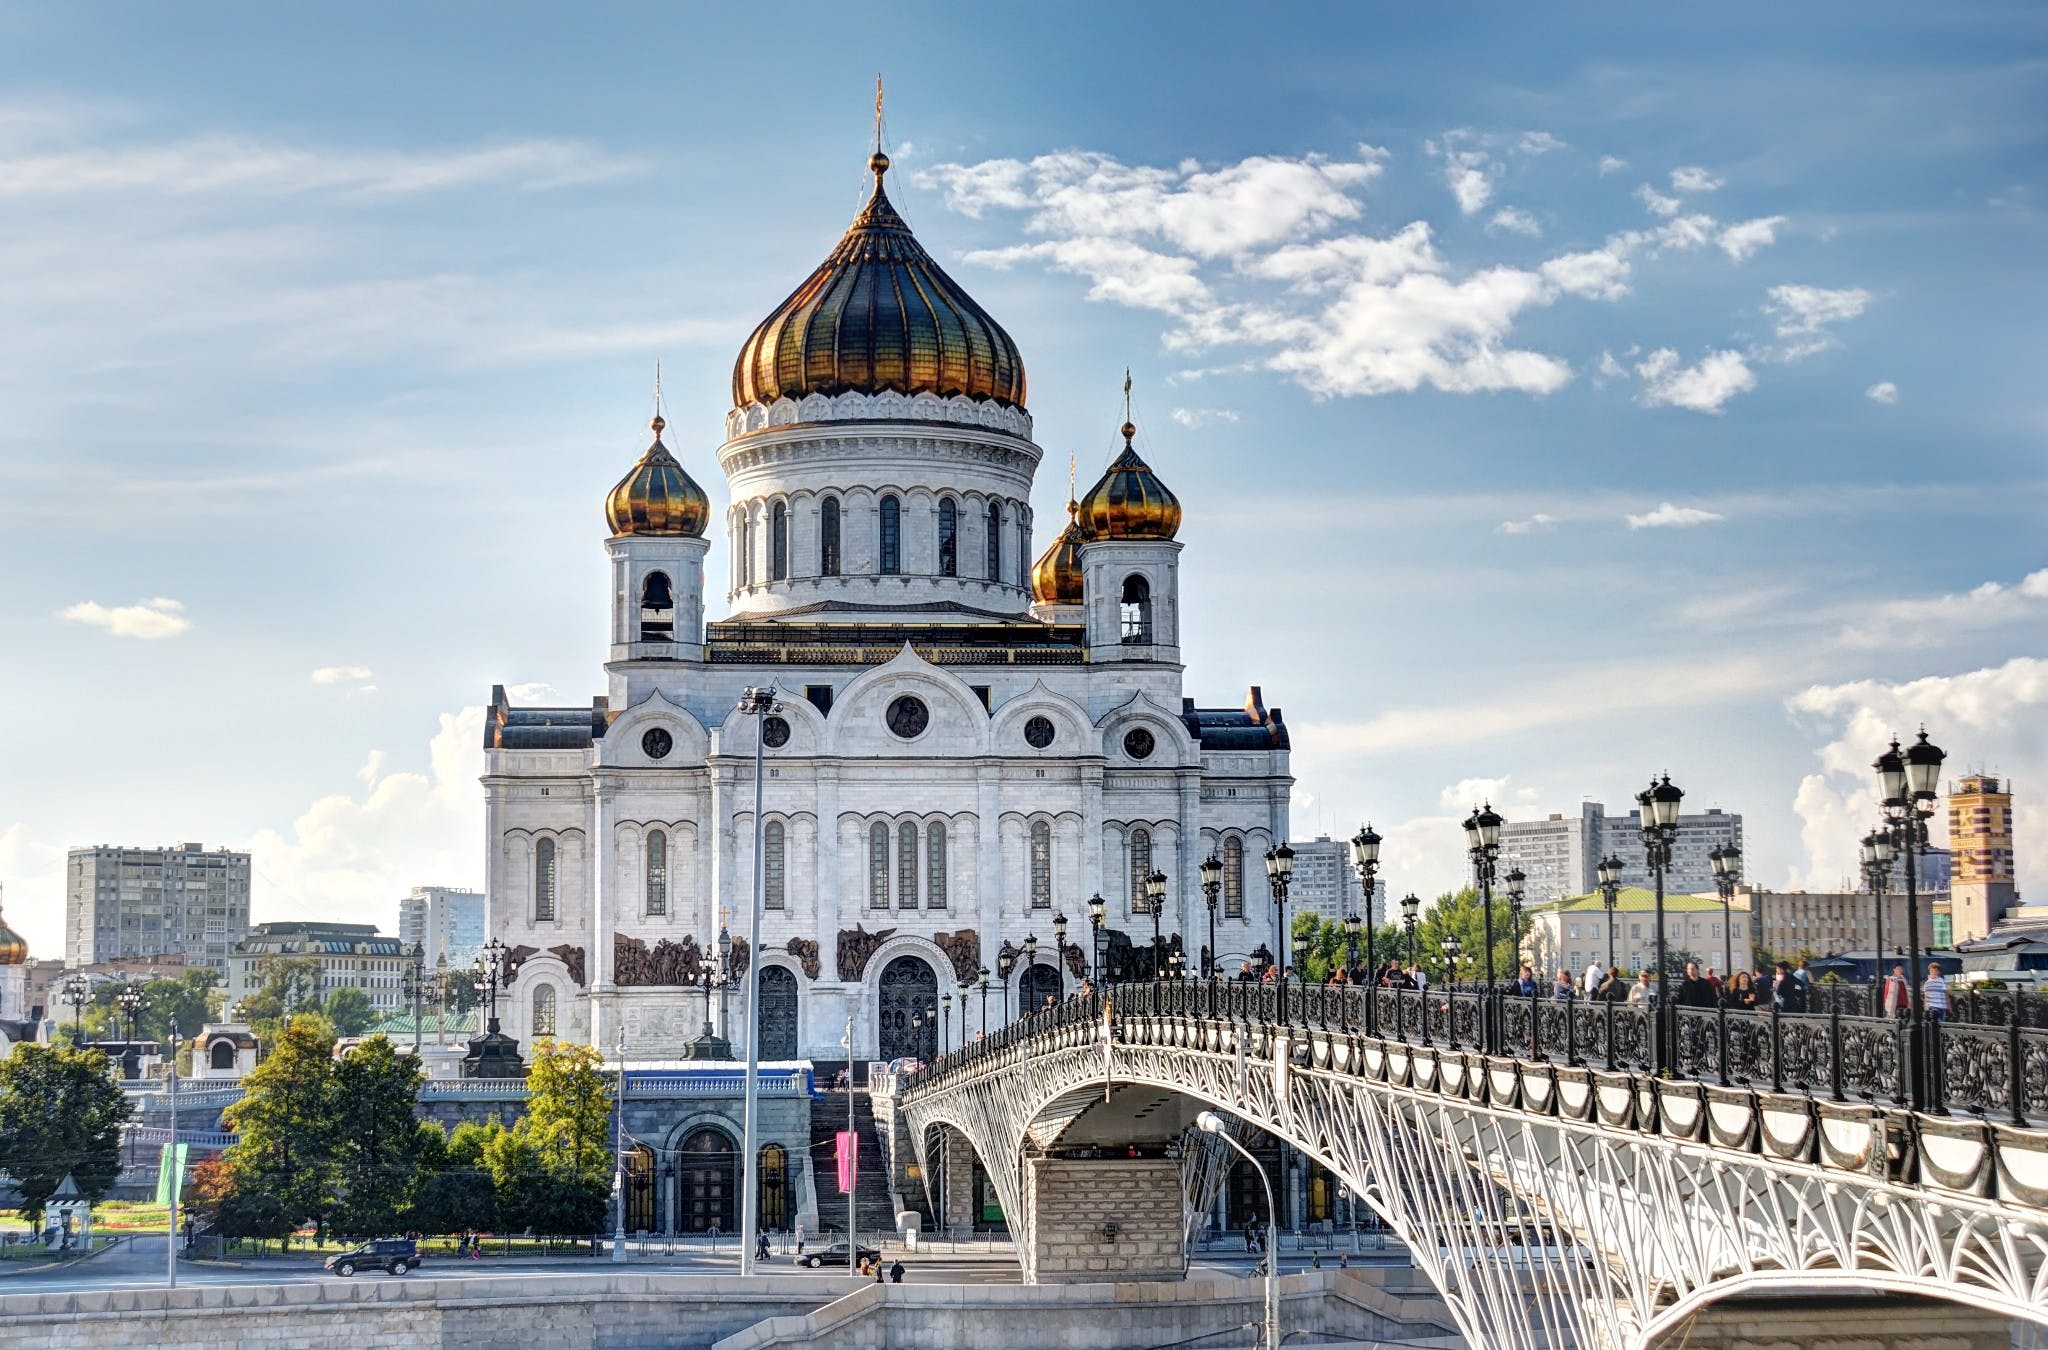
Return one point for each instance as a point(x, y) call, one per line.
point(1130, 562)
point(657, 515)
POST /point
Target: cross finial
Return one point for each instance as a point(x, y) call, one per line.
point(1070, 477)
point(878, 112)
point(1127, 393)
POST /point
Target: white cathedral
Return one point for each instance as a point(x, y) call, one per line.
point(967, 743)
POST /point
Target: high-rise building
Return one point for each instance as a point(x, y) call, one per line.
point(184, 900)
point(442, 922)
point(1560, 855)
point(1981, 884)
point(1325, 883)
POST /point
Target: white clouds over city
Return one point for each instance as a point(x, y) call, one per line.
point(1669, 515)
point(148, 620)
point(1807, 315)
point(1704, 386)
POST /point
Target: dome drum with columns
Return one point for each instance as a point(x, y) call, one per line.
point(973, 735)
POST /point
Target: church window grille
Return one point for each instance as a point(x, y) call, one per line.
point(892, 536)
point(544, 1010)
point(949, 538)
point(778, 542)
point(1041, 865)
point(657, 608)
point(544, 881)
point(1233, 878)
point(1136, 611)
point(935, 866)
point(657, 873)
point(995, 541)
point(774, 865)
point(906, 866)
point(1141, 867)
point(878, 866)
point(828, 537)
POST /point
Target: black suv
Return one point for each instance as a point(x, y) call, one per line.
point(397, 1255)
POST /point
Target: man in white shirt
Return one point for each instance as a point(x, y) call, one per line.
point(1935, 993)
point(1595, 973)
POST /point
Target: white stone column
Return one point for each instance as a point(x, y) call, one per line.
point(604, 903)
point(988, 855)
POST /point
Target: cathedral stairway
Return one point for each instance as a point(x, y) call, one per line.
point(874, 1207)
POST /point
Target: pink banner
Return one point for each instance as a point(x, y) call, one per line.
point(848, 1150)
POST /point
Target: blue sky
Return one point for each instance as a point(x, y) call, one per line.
point(1558, 394)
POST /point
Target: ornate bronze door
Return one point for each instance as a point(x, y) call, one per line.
point(706, 1179)
point(1039, 983)
point(909, 1007)
point(777, 1023)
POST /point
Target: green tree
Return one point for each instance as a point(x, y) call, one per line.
point(553, 1169)
point(1462, 914)
point(1326, 949)
point(192, 998)
point(61, 1112)
point(455, 1192)
point(291, 985)
point(349, 1010)
point(281, 1170)
point(376, 1138)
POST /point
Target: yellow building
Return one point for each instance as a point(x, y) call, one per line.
point(1981, 887)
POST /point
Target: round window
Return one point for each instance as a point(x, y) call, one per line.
point(657, 743)
point(1038, 732)
point(908, 717)
point(1138, 743)
point(775, 733)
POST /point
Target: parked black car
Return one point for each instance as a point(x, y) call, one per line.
point(397, 1255)
point(835, 1255)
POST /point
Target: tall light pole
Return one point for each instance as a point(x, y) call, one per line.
point(619, 1157)
point(1059, 938)
point(981, 978)
point(1279, 873)
point(441, 999)
point(1516, 895)
point(415, 986)
point(1659, 803)
point(758, 704)
point(1155, 900)
point(1909, 783)
point(1452, 950)
point(1030, 964)
point(176, 1169)
point(1365, 852)
point(131, 1001)
point(1727, 863)
point(1097, 909)
point(945, 1021)
point(1209, 1123)
point(1610, 890)
point(1411, 907)
point(1482, 842)
point(1212, 886)
point(1877, 871)
point(77, 992)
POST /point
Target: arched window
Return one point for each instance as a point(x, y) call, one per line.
point(1233, 878)
point(892, 536)
point(544, 1010)
point(742, 569)
point(772, 1211)
point(657, 873)
point(774, 857)
point(657, 608)
point(906, 866)
point(828, 537)
point(544, 881)
point(778, 542)
point(949, 538)
point(995, 541)
point(1023, 554)
point(878, 866)
point(222, 1055)
point(935, 866)
point(1136, 610)
point(1141, 867)
point(1041, 865)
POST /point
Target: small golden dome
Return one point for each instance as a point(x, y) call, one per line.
point(878, 314)
point(13, 946)
point(1129, 501)
point(658, 497)
point(1056, 576)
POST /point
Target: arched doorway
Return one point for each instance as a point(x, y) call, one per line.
point(909, 993)
point(774, 1198)
point(707, 1166)
point(777, 1022)
point(640, 1189)
point(1039, 983)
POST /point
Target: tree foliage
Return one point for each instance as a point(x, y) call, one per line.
point(1326, 952)
point(1463, 915)
point(349, 1011)
point(192, 999)
point(61, 1112)
point(376, 1140)
point(281, 1169)
point(291, 985)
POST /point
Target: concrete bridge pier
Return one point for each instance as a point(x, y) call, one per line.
point(1096, 1219)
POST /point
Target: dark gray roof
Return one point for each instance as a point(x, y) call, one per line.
point(510, 728)
point(1248, 728)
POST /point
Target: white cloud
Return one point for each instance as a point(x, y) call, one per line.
point(1119, 271)
point(1656, 203)
point(1686, 232)
point(1995, 717)
point(1670, 516)
point(1611, 369)
point(1884, 391)
point(1195, 418)
point(1932, 621)
point(1470, 179)
point(1692, 178)
point(148, 620)
point(357, 681)
point(1540, 523)
point(1805, 314)
point(1705, 386)
point(1538, 143)
point(1600, 274)
point(1742, 241)
point(1516, 221)
point(1611, 164)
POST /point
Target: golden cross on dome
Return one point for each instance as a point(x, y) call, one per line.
point(878, 112)
point(1127, 393)
point(1070, 477)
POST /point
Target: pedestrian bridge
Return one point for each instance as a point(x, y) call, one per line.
point(1559, 1192)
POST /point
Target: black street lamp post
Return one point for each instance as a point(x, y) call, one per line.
point(1279, 873)
point(415, 989)
point(1659, 803)
point(1877, 872)
point(1096, 910)
point(131, 1000)
point(1059, 940)
point(1006, 965)
point(1482, 843)
point(1516, 895)
point(77, 992)
point(945, 1021)
point(1212, 886)
point(1155, 900)
point(981, 977)
point(1452, 950)
point(1411, 906)
point(966, 989)
point(1365, 851)
point(1030, 964)
point(1727, 863)
point(1610, 891)
point(1909, 783)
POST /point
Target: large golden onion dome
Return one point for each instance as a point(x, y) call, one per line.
point(1056, 576)
point(13, 946)
point(878, 314)
point(1129, 501)
point(658, 497)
